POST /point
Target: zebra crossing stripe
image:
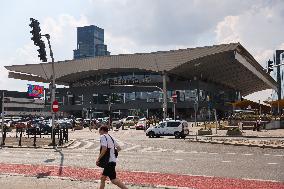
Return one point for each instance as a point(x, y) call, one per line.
point(75, 145)
point(131, 148)
point(88, 145)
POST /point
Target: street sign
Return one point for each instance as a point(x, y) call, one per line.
point(174, 96)
point(55, 106)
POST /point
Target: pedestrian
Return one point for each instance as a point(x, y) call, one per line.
point(109, 147)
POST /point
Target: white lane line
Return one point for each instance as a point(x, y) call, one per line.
point(74, 145)
point(279, 155)
point(231, 153)
point(179, 151)
point(213, 153)
point(131, 148)
point(272, 163)
point(260, 180)
point(247, 154)
point(203, 152)
point(147, 149)
point(266, 154)
point(28, 153)
point(79, 155)
point(88, 145)
point(178, 159)
point(193, 152)
point(226, 161)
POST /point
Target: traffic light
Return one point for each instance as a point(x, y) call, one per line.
point(36, 37)
point(269, 66)
point(42, 52)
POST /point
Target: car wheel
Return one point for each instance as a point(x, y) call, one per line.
point(177, 134)
point(186, 132)
point(151, 134)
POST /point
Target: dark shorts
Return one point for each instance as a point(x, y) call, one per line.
point(109, 171)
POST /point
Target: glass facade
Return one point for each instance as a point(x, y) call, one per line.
point(90, 42)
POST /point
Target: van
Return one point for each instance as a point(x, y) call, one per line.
point(177, 128)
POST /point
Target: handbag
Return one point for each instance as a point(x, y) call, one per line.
point(105, 159)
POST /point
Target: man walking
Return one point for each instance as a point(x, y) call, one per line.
point(109, 171)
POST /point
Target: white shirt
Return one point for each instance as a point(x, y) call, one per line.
point(106, 141)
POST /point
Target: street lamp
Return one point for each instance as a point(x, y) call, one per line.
point(150, 86)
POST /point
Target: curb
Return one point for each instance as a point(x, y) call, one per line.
point(237, 144)
point(70, 142)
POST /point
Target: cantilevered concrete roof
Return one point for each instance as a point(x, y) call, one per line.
point(227, 64)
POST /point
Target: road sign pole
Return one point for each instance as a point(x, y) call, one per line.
point(174, 111)
point(3, 116)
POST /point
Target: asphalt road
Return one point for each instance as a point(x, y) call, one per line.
point(163, 155)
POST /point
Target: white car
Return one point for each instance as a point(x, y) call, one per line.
point(177, 128)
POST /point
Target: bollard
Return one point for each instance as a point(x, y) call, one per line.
point(16, 132)
point(20, 141)
point(4, 135)
point(34, 137)
point(67, 135)
point(60, 137)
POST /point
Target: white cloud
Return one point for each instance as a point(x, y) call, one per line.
point(63, 40)
point(227, 30)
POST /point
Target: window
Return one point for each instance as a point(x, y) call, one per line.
point(173, 124)
point(162, 125)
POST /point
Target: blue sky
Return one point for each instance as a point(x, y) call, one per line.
point(140, 26)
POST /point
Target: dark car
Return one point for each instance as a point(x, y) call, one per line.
point(39, 128)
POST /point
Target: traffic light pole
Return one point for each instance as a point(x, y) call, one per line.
point(52, 89)
point(3, 116)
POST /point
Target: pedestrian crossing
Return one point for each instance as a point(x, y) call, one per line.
point(94, 145)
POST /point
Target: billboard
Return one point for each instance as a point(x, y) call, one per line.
point(35, 91)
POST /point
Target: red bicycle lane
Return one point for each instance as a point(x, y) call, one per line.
point(140, 178)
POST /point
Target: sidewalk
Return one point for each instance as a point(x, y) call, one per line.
point(77, 177)
point(27, 182)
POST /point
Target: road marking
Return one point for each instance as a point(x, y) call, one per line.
point(203, 152)
point(179, 151)
point(247, 154)
point(231, 153)
point(272, 163)
point(147, 149)
point(260, 180)
point(88, 145)
point(226, 161)
point(178, 159)
point(213, 153)
point(193, 152)
point(74, 145)
point(131, 148)
point(28, 153)
point(266, 154)
point(79, 155)
point(279, 155)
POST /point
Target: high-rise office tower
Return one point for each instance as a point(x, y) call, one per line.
point(90, 42)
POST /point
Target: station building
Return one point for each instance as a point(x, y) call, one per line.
point(206, 78)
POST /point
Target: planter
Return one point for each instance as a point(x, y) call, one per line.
point(234, 133)
point(204, 132)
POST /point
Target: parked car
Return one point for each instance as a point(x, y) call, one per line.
point(116, 123)
point(178, 128)
point(131, 120)
point(140, 125)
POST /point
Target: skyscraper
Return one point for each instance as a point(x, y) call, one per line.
point(90, 42)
